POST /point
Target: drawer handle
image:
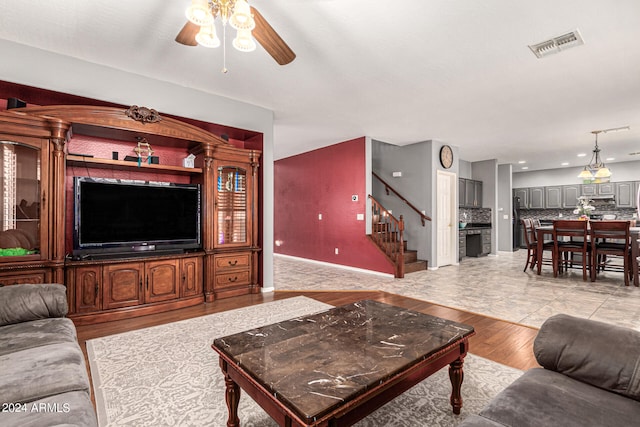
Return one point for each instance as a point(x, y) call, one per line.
point(235, 261)
point(233, 280)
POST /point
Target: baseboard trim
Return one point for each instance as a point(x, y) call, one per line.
point(329, 264)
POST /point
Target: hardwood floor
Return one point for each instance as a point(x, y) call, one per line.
point(501, 341)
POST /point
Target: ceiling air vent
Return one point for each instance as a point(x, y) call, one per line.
point(557, 44)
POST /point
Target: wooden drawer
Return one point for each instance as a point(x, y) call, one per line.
point(237, 278)
point(241, 260)
point(33, 276)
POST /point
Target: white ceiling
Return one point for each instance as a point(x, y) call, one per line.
point(401, 72)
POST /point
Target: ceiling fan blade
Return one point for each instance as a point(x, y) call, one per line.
point(270, 40)
point(187, 36)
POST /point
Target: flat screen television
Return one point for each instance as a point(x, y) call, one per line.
point(118, 215)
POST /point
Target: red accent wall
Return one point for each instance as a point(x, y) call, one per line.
point(322, 182)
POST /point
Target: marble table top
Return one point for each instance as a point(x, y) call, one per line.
point(315, 363)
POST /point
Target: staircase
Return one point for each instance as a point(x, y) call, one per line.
point(391, 246)
point(387, 234)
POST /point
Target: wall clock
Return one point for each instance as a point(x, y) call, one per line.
point(446, 156)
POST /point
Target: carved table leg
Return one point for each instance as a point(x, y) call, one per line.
point(232, 396)
point(456, 374)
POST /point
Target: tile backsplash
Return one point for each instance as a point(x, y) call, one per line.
point(620, 213)
point(475, 215)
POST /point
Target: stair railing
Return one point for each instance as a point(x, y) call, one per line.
point(388, 188)
point(387, 233)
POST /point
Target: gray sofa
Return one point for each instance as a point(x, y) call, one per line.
point(590, 376)
point(43, 376)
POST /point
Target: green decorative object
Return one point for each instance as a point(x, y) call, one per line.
point(15, 252)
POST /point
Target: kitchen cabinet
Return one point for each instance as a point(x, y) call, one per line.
point(625, 194)
point(486, 241)
point(523, 194)
point(570, 194)
point(472, 193)
point(536, 198)
point(635, 192)
point(553, 197)
point(462, 192)
point(462, 245)
point(602, 189)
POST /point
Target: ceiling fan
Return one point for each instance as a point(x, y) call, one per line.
point(200, 28)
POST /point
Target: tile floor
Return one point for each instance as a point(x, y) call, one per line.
point(494, 286)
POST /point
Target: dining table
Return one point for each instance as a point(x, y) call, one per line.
point(546, 230)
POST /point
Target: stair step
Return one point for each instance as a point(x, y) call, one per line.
point(410, 256)
point(412, 267)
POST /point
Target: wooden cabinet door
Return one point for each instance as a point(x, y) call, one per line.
point(161, 280)
point(469, 194)
point(607, 189)
point(87, 283)
point(478, 193)
point(462, 192)
point(589, 189)
point(536, 197)
point(553, 197)
point(523, 194)
point(122, 285)
point(191, 281)
point(570, 194)
point(625, 196)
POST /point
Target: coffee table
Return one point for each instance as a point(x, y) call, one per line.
point(335, 367)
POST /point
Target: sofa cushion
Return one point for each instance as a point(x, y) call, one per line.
point(36, 373)
point(597, 353)
point(26, 302)
point(545, 398)
point(62, 410)
point(22, 336)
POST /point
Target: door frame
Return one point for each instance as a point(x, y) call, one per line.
point(453, 200)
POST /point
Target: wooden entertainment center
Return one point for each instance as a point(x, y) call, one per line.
point(37, 215)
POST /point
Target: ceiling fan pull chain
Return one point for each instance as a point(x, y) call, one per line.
point(224, 48)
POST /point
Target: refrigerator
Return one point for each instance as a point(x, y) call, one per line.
point(515, 222)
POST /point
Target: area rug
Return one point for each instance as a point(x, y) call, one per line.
point(168, 375)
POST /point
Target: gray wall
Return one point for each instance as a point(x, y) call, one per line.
point(487, 172)
point(504, 215)
point(414, 161)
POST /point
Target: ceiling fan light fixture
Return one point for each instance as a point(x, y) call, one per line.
point(207, 36)
point(241, 18)
point(244, 42)
point(199, 13)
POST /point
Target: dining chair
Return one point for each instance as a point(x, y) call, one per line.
point(531, 241)
point(531, 244)
point(576, 231)
point(610, 238)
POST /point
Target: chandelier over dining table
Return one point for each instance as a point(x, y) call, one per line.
point(596, 170)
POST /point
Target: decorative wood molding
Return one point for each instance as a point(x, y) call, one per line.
point(143, 114)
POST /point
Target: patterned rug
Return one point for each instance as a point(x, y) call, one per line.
point(168, 375)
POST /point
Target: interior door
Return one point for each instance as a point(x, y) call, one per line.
point(447, 225)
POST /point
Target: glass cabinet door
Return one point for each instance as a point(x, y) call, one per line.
point(20, 183)
point(231, 204)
